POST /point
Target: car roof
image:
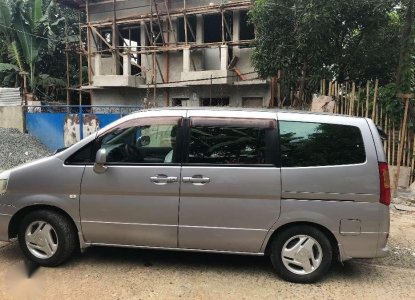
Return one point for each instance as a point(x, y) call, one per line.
point(242, 109)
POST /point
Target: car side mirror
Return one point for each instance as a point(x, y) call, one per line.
point(100, 161)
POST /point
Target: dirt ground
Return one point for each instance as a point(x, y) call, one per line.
point(110, 273)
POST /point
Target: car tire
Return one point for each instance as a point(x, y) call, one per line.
point(301, 254)
point(47, 238)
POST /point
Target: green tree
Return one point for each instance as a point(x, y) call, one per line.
point(308, 40)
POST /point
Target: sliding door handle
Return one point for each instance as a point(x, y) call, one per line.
point(163, 179)
point(196, 180)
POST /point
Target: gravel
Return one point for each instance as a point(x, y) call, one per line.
point(17, 148)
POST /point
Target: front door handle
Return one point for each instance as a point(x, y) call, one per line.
point(163, 179)
point(196, 180)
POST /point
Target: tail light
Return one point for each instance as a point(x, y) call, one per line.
point(385, 188)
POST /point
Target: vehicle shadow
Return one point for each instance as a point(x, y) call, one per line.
point(242, 265)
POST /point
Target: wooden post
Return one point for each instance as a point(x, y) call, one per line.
point(352, 99)
point(81, 47)
point(385, 145)
point(404, 145)
point(279, 88)
point(367, 98)
point(337, 98)
point(67, 63)
point(374, 99)
point(405, 97)
point(412, 161)
point(393, 143)
point(358, 102)
point(389, 141)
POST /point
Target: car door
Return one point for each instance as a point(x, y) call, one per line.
point(230, 191)
point(135, 201)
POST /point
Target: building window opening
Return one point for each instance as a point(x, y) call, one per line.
point(181, 34)
point(246, 29)
point(106, 33)
point(154, 37)
point(212, 29)
point(129, 39)
point(215, 101)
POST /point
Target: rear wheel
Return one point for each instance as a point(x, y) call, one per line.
point(301, 254)
point(47, 238)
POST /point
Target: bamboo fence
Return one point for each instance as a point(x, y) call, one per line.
point(363, 101)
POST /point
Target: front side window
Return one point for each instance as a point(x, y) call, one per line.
point(230, 144)
point(141, 142)
point(317, 144)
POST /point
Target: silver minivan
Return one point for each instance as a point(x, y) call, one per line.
point(305, 189)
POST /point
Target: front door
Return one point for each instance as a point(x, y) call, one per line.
point(135, 201)
point(230, 191)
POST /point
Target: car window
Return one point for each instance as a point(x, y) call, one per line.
point(152, 142)
point(230, 144)
point(317, 144)
point(82, 156)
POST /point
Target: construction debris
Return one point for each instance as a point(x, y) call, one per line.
point(323, 104)
point(404, 207)
point(17, 148)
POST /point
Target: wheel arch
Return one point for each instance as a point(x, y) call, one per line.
point(333, 240)
point(18, 217)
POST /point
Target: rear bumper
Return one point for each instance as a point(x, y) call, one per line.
point(364, 245)
point(4, 227)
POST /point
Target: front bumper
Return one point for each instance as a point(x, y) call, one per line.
point(4, 227)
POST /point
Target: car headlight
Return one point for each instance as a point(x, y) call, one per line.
point(3, 186)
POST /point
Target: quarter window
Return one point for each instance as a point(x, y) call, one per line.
point(318, 144)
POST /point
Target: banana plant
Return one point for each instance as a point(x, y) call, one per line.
point(27, 30)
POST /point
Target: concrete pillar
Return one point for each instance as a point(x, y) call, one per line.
point(236, 31)
point(126, 64)
point(199, 29)
point(143, 38)
point(235, 25)
point(224, 57)
point(186, 60)
point(97, 64)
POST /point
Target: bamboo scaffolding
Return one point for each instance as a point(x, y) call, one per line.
point(210, 9)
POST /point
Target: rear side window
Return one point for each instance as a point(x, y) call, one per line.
point(318, 144)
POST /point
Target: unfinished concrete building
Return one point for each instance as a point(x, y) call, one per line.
point(170, 53)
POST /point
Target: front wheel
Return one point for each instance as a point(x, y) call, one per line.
point(47, 238)
point(301, 254)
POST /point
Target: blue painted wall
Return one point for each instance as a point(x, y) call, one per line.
point(48, 126)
